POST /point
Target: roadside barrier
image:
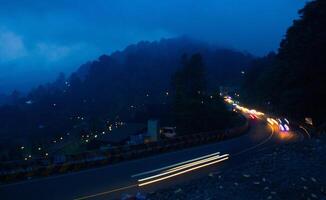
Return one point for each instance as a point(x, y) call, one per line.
point(118, 154)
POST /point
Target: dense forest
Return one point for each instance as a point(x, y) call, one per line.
point(195, 109)
point(292, 82)
point(124, 85)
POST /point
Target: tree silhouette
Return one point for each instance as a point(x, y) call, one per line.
point(194, 110)
point(294, 81)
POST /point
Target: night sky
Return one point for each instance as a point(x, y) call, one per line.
point(40, 38)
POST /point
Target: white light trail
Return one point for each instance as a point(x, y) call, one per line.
point(174, 165)
point(196, 163)
point(182, 172)
point(170, 171)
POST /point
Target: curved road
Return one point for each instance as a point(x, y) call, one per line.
point(111, 181)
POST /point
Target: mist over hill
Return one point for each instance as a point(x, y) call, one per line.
point(164, 56)
point(117, 85)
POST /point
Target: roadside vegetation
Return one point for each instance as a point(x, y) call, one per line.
point(292, 82)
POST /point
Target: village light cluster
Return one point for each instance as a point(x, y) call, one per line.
point(86, 137)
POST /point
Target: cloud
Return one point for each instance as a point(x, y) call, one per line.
point(54, 52)
point(11, 46)
point(60, 35)
point(14, 50)
point(25, 64)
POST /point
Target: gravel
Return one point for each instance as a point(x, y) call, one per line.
point(293, 171)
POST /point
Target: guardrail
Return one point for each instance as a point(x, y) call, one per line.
point(118, 154)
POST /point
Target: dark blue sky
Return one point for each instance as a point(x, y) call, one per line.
point(40, 38)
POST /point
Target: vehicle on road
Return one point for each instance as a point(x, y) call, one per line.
point(284, 124)
point(168, 132)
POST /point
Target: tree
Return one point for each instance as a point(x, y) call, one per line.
point(194, 110)
point(294, 80)
point(302, 56)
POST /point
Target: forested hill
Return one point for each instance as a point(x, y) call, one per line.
point(159, 59)
point(109, 86)
point(146, 69)
point(143, 72)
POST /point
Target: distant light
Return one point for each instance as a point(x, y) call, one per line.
point(211, 97)
point(46, 154)
point(282, 127)
point(54, 104)
point(86, 140)
point(61, 138)
point(242, 72)
point(29, 155)
point(54, 141)
point(29, 102)
point(274, 121)
point(228, 100)
point(309, 121)
point(103, 132)
point(25, 158)
point(287, 121)
point(22, 147)
point(167, 93)
point(287, 128)
point(39, 148)
point(95, 136)
point(270, 121)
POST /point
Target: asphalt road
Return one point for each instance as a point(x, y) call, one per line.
point(111, 181)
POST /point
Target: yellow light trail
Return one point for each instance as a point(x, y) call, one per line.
point(104, 193)
point(182, 172)
point(174, 165)
point(170, 171)
point(196, 163)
